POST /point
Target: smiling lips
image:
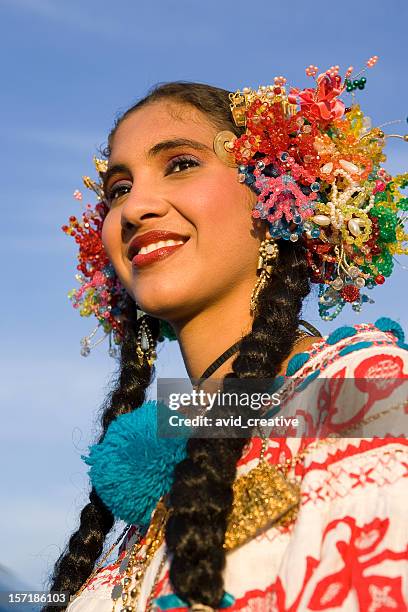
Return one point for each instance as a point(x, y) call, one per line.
point(153, 246)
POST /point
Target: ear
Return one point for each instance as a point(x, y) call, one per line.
point(260, 230)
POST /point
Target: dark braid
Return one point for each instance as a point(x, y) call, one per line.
point(201, 496)
point(77, 561)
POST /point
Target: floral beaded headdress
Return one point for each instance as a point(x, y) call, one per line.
point(315, 165)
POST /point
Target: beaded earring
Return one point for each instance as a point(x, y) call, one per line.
point(268, 253)
point(145, 345)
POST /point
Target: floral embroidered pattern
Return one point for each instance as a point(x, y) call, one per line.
point(347, 548)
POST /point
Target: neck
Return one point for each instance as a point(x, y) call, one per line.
point(212, 331)
point(205, 336)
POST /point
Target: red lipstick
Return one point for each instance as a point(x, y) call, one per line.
point(141, 260)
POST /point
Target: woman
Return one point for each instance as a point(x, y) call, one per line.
point(180, 235)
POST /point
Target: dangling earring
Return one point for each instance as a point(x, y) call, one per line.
point(268, 252)
point(145, 345)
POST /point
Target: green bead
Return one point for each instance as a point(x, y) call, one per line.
point(363, 80)
point(384, 263)
point(403, 204)
point(380, 197)
point(387, 221)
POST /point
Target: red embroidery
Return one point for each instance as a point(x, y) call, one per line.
point(332, 590)
point(354, 564)
point(374, 593)
point(107, 576)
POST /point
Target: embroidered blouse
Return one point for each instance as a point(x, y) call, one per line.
point(348, 547)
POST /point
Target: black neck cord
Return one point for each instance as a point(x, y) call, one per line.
point(220, 360)
point(235, 348)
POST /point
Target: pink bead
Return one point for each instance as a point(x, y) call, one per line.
point(279, 81)
point(379, 186)
point(311, 70)
point(349, 71)
point(372, 61)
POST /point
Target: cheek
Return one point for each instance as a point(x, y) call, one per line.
point(225, 211)
point(111, 237)
point(219, 200)
point(226, 240)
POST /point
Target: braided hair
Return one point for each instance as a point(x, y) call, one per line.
point(85, 545)
point(201, 495)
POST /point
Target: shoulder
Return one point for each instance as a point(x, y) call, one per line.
point(331, 377)
point(347, 348)
point(360, 375)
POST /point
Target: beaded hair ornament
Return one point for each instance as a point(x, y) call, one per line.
point(315, 166)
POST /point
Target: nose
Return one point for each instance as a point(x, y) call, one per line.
point(141, 205)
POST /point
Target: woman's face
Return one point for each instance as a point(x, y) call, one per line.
point(156, 185)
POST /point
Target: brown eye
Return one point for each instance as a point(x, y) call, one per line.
point(183, 162)
point(117, 191)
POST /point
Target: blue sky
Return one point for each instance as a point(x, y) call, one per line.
point(68, 69)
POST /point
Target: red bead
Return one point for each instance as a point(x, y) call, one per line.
point(350, 293)
point(379, 279)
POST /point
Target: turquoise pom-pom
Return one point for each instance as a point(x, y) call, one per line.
point(388, 325)
point(132, 468)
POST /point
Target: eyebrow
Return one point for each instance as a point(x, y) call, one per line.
point(159, 147)
point(165, 145)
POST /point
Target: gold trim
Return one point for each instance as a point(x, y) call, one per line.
point(222, 146)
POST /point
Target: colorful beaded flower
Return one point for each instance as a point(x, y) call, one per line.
point(100, 292)
point(315, 166)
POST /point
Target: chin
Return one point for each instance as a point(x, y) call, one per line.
point(161, 302)
point(175, 306)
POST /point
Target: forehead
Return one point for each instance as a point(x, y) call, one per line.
point(159, 121)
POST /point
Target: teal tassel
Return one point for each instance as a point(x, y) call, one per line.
point(307, 380)
point(340, 333)
point(296, 363)
point(354, 347)
point(170, 602)
point(389, 325)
